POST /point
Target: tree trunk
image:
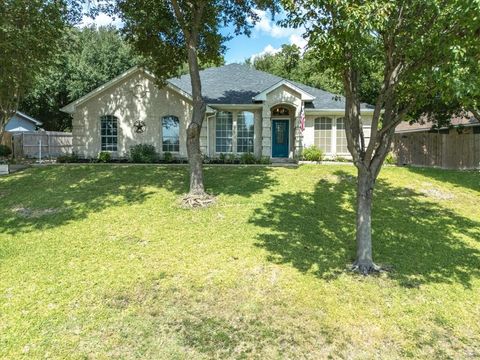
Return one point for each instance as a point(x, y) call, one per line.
point(364, 261)
point(194, 128)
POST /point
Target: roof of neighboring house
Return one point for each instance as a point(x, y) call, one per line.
point(424, 125)
point(239, 84)
point(234, 84)
point(28, 118)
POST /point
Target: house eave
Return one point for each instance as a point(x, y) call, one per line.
point(335, 111)
point(304, 95)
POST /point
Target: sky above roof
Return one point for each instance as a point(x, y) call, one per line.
point(266, 37)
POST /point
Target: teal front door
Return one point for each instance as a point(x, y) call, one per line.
point(280, 138)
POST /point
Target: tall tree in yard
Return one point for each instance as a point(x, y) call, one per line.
point(409, 42)
point(170, 33)
point(29, 34)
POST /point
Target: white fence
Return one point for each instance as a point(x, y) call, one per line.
point(42, 144)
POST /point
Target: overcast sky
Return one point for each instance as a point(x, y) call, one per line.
point(266, 37)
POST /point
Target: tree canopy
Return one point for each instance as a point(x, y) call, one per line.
point(88, 58)
point(413, 44)
point(30, 33)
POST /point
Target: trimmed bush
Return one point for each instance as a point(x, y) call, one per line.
point(104, 156)
point(5, 150)
point(143, 154)
point(264, 160)
point(248, 158)
point(312, 153)
point(168, 157)
point(70, 158)
point(390, 159)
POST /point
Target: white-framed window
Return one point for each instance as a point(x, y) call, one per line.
point(170, 133)
point(224, 132)
point(341, 137)
point(245, 132)
point(109, 132)
point(323, 133)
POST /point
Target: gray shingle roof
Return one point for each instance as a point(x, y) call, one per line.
point(238, 84)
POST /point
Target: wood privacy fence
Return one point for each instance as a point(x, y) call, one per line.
point(452, 150)
point(44, 144)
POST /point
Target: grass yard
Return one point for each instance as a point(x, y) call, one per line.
point(99, 262)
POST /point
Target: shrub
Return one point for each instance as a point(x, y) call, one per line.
point(5, 150)
point(247, 158)
point(69, 158)
point(222, 158)
point(104, 156)
point(167, 157)
point(143, 153)
point(390, 159)
point(264, 160)
point(312, 153)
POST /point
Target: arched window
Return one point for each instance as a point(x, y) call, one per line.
point(170, 133)
point(245, 131)
point(323, 134)
point(108, 132)
point(341, 137)
point(224, 132)
point(280, 111)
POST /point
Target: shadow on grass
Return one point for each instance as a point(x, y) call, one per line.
point(43, 198)
point(467, 179)
point(314, 232)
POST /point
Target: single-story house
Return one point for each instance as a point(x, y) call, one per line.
point(21, 122)
point(451, 147)
point(248, 111)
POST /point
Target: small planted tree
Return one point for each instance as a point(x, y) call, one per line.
point(30, 31)
point(407, 42)
point(170, 33)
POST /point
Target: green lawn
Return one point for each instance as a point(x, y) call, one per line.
point(100, 262)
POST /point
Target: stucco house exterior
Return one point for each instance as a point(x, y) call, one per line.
point(248, 111)
point(21, 122)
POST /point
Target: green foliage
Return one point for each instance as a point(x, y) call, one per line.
point(390, 159)
point(248, 158)
point(162, 29)
point(312, 153)
point(89, 58)
point(143, 153)
point(104, 156)
point(30, 34)
point(168, 157)
point(71, 158)
point(265, 160)
point(5, 150)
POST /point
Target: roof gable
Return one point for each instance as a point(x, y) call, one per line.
point(28, 118)
point(304, 96)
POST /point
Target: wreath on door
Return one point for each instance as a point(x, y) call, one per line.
point(139, 126)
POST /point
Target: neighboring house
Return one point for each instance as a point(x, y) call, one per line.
point(21, 122)
point(248, 111)
point(453, 147)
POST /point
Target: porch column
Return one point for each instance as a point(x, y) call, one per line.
point(298, 138)
point(267, 136)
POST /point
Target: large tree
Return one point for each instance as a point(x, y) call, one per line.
point(30, 31)
point(407, 41)
point(88, 58)
point(170, 33)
